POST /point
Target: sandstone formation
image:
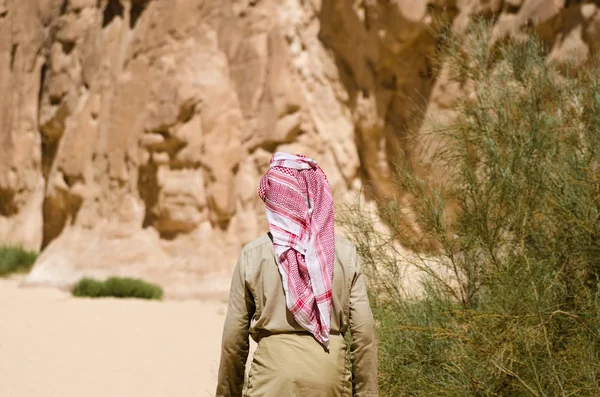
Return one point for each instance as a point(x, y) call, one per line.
point(133, 133)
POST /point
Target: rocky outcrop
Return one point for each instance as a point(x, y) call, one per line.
point(133, 133)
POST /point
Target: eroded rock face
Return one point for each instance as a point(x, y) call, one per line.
point(133, 133)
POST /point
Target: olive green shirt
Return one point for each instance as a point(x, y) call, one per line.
point(257, 308)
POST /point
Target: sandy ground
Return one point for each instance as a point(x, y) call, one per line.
point(53, 345)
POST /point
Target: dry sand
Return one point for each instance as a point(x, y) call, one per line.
point(53, 345)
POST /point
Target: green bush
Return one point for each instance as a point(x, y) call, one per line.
point(15, 260)
point(510, 302)
point(117, 287)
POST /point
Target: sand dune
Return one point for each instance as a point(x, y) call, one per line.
point(53, 345)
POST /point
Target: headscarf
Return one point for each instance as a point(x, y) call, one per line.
point(300, 214)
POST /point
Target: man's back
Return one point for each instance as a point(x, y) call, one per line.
point(264, 280)
point(258, 308)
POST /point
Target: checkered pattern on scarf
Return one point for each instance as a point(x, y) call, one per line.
point(300, 214)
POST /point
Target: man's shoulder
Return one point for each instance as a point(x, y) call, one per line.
point(258, 242)
point(344, 247)
point(341, 242)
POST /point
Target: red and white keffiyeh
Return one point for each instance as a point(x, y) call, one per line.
point(300, 216)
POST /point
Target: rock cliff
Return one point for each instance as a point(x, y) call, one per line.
point(133, 133)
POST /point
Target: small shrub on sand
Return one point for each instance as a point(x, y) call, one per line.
point(15, 260)
point(117, 287)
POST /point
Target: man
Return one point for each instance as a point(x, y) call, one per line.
point(296, 291)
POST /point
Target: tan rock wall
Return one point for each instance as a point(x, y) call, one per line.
point(133, 133)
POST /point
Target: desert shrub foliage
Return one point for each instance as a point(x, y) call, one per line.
point(508, 301)
point(15, 260)
point(117, 287)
